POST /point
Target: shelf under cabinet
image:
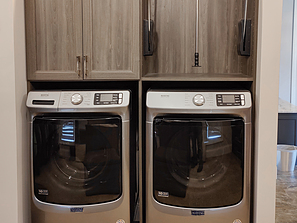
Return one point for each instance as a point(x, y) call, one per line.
point(197, 77)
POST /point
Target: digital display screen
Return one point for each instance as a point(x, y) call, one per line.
point(228, 99)
point(106, 97)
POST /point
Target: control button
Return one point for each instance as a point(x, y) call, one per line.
point(242, 102)
point(76, 99)
point(242, 96)
point(120, 101)
point(198, 100)
point(121, 95)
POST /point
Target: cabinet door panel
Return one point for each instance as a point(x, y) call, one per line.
point(174, 37)
point(286, 132)
point(54, 39)
point(111, 39)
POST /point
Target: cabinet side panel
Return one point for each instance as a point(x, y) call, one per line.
point(30, 38)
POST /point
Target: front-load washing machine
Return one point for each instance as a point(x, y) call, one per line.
point(79, 156)
point(198, 156)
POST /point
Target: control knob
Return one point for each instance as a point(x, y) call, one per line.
point(76, 99)
point(199, 100)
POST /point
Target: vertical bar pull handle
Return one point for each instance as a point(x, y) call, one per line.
point(196, 55)
point(85, 65)
point(148, 45)
point(78, 65)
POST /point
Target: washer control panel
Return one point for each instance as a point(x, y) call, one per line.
point(78, 99)
point(230, 99)
point(108, 98)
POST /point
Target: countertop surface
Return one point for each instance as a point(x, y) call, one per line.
point(286, 107)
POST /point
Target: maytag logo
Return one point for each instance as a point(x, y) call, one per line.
point(44, 95)
point(163, 194)
point(43, 192)
point(76, 209)
point(197, 213)
point(164, 95)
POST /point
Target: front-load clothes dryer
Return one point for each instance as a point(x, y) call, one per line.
point(79, 156)
point(198, 156)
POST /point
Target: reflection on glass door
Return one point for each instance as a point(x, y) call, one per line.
point(198, 162)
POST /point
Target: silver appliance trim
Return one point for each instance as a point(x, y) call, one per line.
point(156, 211)
point(120, 205)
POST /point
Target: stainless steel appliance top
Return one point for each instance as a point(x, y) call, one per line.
point(205, 100)
point(77, 99)
point(112, 102)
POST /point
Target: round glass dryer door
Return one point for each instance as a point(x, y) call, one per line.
point(198, 162)
point(77, 160)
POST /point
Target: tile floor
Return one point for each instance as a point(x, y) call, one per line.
point(286, 197)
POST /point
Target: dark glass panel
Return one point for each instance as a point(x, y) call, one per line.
point(77, 160)
point(198, 162)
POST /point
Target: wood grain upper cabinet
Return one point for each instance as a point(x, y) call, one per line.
point(54, 39)
point(180, 29)
point(111, 39)
point(82, 39)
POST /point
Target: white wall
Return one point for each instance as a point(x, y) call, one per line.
point(13, 123)
point(8, 159)
point(285, 72)
point(23, 152)
point(266, 101)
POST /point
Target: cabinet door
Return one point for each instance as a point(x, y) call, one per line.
point(54, 39)
point(111, 39)
point(287, 129)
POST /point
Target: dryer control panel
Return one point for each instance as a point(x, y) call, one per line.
point(108, 98)
point(230, 99)
point(199, 100)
